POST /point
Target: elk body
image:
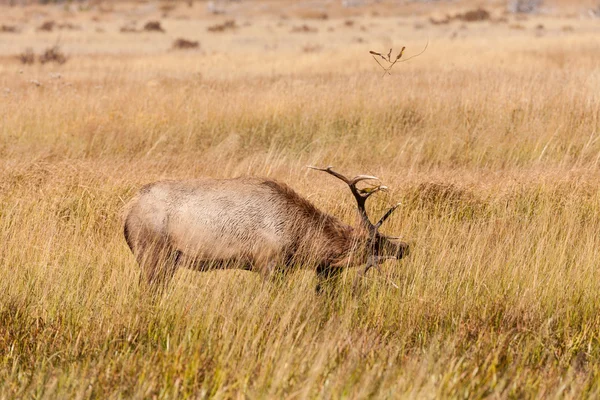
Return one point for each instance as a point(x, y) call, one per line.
point(249, 223)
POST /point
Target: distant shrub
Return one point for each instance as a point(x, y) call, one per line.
point(153, 26)
point(479, 14)
point(9, 29)
point(53, 54)
point(227, 25)
point(27, 57)
point(47, 26)
point(128, 29)
point(183, 44)
point(524, 6)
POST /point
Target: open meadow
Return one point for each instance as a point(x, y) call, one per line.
point(490, 139)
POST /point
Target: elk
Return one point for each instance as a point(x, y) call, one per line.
point(255, 224)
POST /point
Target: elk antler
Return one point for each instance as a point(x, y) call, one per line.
point(361, 195)
point(386, 215)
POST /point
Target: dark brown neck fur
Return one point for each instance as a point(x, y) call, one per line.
point(339, 236)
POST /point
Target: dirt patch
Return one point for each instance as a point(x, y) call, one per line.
point(68, 26)
point(500, 20)
point(304, 29)
point(311, 48)
point(312, 14)
point(167, 7)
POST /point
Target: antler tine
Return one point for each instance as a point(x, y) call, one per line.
point(359, 178)
point(360, 195)
point(330, 170)
point(386, 216)
point(352, 181)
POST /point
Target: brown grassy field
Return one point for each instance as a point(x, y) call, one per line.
point(490, 139)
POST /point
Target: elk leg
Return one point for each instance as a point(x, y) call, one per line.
point(361, 274)
point(158, 265)
point(327, 274)
point(267, 270)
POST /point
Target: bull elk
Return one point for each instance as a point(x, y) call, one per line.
point(254, 224)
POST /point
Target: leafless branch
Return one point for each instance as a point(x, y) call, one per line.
point(388, 58)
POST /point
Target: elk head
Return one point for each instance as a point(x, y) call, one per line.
point(378, 246)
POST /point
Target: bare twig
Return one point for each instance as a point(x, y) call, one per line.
point(417, 55)
point(382, 67)
point(395, 61)
point(388, 58)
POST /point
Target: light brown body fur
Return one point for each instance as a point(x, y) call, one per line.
point(250, 223)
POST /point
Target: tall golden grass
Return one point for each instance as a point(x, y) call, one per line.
point(490, 142)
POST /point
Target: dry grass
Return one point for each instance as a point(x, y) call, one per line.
point(490, 141)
